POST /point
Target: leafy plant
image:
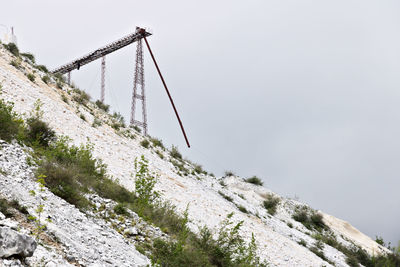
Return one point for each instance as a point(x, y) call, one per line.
point(144, 183)
point(12, 48)
point(31, 77)
point(254, 180)
point(39, 226)
point(46, 79)
point(29, 56)
point(145, 143)
point(10, 124)
point(102, 106)
point(270, 203)
point(175, 153)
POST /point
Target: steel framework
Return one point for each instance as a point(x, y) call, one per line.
point(139, 82)
point(103, 78)
point(124, 41)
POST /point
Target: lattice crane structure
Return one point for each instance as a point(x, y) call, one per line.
point(138, 85)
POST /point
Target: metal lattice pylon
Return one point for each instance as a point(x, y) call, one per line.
point(103, 78)
point(139, 82)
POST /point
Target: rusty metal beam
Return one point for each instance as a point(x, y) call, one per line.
point(166, 89)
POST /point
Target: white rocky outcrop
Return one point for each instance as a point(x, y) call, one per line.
point(15, 244)
point(91, 241)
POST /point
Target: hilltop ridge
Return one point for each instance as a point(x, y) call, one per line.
point(286, 232)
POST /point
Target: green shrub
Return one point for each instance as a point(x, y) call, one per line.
point(10, 124)
point(102, 106)
point(157, 142)
point(31, 77)
point(15, 63)
point(160, 154)
point(229, 173)
point(121, 209)
point(46, 79)
point(228, 249)
point(29, 56)
point(175, 153)
point(271, 203)
point(42, 68)
point(225, 196)
point(81, 97)
point(309, 218)
point(145, 143)
point(242, 209)
point(12, 48)
point(39, 132)
point(254, 180)
point(198, 169)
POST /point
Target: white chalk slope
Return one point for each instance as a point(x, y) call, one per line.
point(277, 242)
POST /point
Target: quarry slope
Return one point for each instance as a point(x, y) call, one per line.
point(281, 240)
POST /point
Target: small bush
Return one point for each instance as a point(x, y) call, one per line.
point(15, 63)
point(42, 68)
point(229, 173)
point(309, 218)
point(12, 48)
point(82, 117)
point(157, 142)
point(81, 97)
point(271, 203)
point(10, 124)
point(39, 132)
point(242, 209)
point(121, 209)
point(160, 154)
point(136, 128)
point(302, 242)
point(198, 169)
point(254, 180)
point(46, 79)
point(29, 56)
point(102, 106)
point(175, 153)
point(225, 196)
point(145, 143)
point(31, 77)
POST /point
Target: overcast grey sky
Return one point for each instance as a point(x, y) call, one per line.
point(302, 93)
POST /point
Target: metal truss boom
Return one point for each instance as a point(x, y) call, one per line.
point(124, 41)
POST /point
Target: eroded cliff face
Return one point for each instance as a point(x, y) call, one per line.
point(76, 238)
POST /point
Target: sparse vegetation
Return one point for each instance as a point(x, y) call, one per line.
point(12, 48)
point(7, 206)
point(145, 143)
point(11, 125)
point(46, 79)
point(29, 56)
point(175, 153)
point(229, 173)
point(157, 142)
point(242, 209)
point(42, 68)
point(81, 97)
point(15, 63)
point(225, 196)
point(31, 77)
point(254, 180)
point(309, 218)
point(103, 106)
point(270, 203)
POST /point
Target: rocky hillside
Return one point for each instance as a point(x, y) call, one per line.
point(106, 231)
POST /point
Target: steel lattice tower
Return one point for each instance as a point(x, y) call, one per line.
point(139, 82)
point(103, 78)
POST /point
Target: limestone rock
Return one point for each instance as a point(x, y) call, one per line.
point(14, 244)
